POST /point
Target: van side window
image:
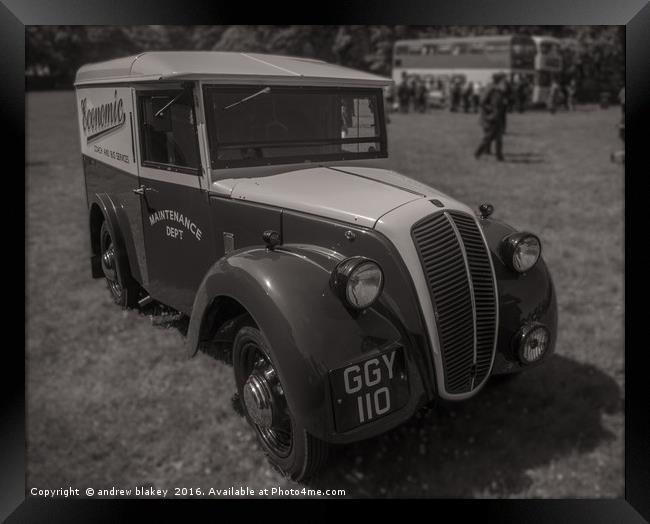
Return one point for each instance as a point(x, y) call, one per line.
point(168, 133)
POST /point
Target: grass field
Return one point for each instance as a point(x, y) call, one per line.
point(113, 401)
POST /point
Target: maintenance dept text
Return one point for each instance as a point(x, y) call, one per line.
point(175, 216)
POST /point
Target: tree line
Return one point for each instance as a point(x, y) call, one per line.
point(54, 53)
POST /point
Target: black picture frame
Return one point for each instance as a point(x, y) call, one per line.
point(634, 14)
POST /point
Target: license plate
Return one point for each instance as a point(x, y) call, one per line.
point(370, 389)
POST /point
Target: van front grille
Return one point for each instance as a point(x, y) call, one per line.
point(456, 265)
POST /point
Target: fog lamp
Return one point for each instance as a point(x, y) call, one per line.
point(533, 340)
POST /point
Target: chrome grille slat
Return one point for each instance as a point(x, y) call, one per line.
point(486, 305)
point(458, 270)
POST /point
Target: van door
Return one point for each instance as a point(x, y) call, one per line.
point(175, 210)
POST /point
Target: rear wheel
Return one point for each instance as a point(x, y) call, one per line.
point(287, 444)
point(122, 287)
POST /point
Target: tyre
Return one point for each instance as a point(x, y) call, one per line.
point(286, 443)
point(121, 285)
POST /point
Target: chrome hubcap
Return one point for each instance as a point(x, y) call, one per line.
point(263, 395)
point(259, 400)
point(265, 403)
point(108, 263)
point(109, 266)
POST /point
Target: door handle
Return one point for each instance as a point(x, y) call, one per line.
point(140, 190)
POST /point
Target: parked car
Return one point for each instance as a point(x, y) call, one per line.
point(249, 193)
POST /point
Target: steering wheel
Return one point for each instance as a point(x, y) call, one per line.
point(276, 127)
point(275, 124)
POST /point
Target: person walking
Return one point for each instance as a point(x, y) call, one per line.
point(492, 109)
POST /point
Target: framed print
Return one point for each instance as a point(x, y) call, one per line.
point(385, 253)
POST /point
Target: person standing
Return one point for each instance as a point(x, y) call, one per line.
point(420, 96)
point(412, 101)
point(476, 96)
point(441, 87)
point(467, 96)
point(493, 107)
point(516, 82)
point(455, 94)
point(389, 93)
point(522, 94)
point(571, 95)
point(509, 93)
point(404, 94)
point(508, 101)
point(553, 96)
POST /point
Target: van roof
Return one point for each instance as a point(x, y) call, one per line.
point(223, 67)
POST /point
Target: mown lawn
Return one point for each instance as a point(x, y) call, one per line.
point(113, 401)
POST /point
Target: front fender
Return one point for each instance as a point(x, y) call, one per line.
point(523, 298)
point(310, 332)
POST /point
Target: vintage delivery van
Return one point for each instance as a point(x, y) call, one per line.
point(247, 192)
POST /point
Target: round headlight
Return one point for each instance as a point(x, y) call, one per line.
point(521, 251)
point(358, 280)
point(533, 342)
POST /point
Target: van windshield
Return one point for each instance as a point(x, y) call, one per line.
point(287, 124)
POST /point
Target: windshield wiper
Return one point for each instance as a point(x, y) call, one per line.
point(162, 109)
point(261, 92)
point(172, 101)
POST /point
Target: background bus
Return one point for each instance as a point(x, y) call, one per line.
point(548, 65)
point(438, 61)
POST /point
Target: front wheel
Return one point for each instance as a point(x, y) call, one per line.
point(287, 444)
